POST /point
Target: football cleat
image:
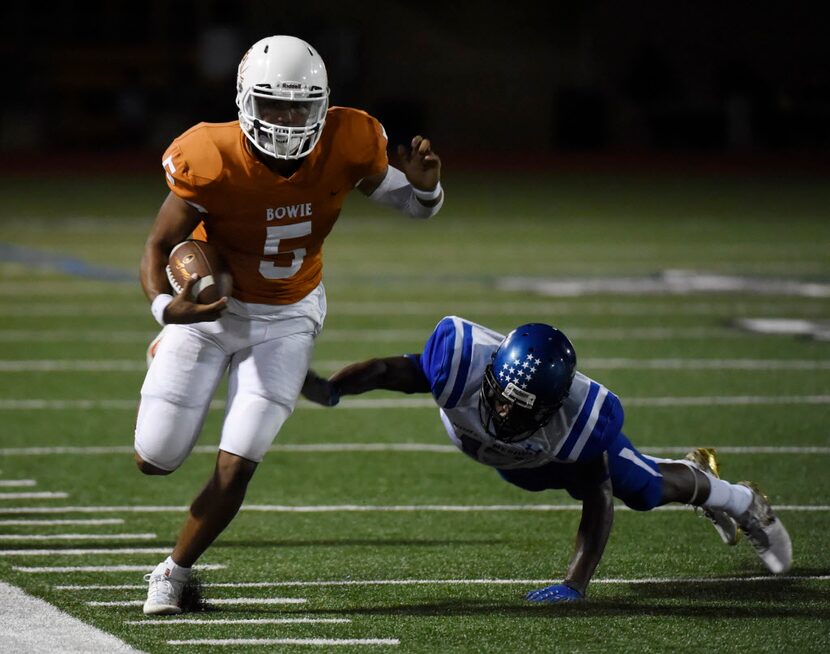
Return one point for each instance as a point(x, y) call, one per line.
point(766, 533)
point(555, 594)
point(705, 460)
point(164, 596)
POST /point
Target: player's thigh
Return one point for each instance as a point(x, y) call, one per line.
point(264, 383)
point(635, 478)
point(176, 395)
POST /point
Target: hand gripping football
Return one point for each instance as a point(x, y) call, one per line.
point(193, 257)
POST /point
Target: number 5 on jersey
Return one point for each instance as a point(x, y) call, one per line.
point(276, 233)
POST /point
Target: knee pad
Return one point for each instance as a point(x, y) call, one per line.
point(165, 433)
point(251, 425)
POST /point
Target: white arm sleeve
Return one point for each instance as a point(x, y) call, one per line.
point(396, 191)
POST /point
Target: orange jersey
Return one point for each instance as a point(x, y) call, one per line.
point(270, 229)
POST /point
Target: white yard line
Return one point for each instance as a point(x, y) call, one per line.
point(706, 364)
point(17, 483)
point(93, 450)
point(44, 523)
point(367, 335)
point(739, 449)
point(672, 282)
point(727, 305)
point(50, 537)
point(87, 551)
point(77, 336)
point(719, 400)
point(599, 333)
point(316, 642)
point(33, 626)
point(355, 508)
point(34, 496)
point(243, 601)
point(106, 568)
point(424, 403)
point(56, 287)
point(208, 621)
point(90, 509)
point(67, 365)
point(134, 365)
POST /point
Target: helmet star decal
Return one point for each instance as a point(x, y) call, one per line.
point(514, 373)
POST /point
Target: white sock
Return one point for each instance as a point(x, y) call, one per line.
point(176, 571)
point(732, 498)
point(657, 459)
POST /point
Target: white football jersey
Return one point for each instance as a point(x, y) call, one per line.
point(454, 360)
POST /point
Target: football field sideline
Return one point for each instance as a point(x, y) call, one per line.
point(34, 626)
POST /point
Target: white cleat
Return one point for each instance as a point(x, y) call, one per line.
point(705, 460)
point(766, 532)
point(164, 596)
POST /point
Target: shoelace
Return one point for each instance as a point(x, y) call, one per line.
point(160, 586)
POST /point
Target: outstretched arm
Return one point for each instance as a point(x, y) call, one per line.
point(415, 189)
point(594, 529)
point(392, 373)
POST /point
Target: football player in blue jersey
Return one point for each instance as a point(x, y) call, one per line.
point(518, 404)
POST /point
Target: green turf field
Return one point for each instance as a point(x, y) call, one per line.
point(351, 510)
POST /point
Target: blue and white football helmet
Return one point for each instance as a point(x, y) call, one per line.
point(529, 378)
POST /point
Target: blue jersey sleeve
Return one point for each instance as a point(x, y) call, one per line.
point(436, 359)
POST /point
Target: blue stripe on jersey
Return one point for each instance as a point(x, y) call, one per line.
point(596, 443)
point(604, 415)
point(579, 425)
point(463, 366)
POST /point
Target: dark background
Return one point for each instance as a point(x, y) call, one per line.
point(741, 79)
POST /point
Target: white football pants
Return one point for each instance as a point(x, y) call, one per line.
point(266, 350)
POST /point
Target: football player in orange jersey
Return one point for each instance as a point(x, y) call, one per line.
point(266, 190)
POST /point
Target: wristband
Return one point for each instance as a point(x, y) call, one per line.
point(158, 305)
point(428, 196)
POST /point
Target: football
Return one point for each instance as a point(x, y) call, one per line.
point(200, 258)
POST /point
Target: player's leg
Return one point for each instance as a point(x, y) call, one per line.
point(726, 504)
point(635, 480)
point(263, 385)
point(644, 482)
point(695, 486)
point(214, 507)
point(175, 397)
point(174, 401)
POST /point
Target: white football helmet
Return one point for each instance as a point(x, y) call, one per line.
point(282, 92)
